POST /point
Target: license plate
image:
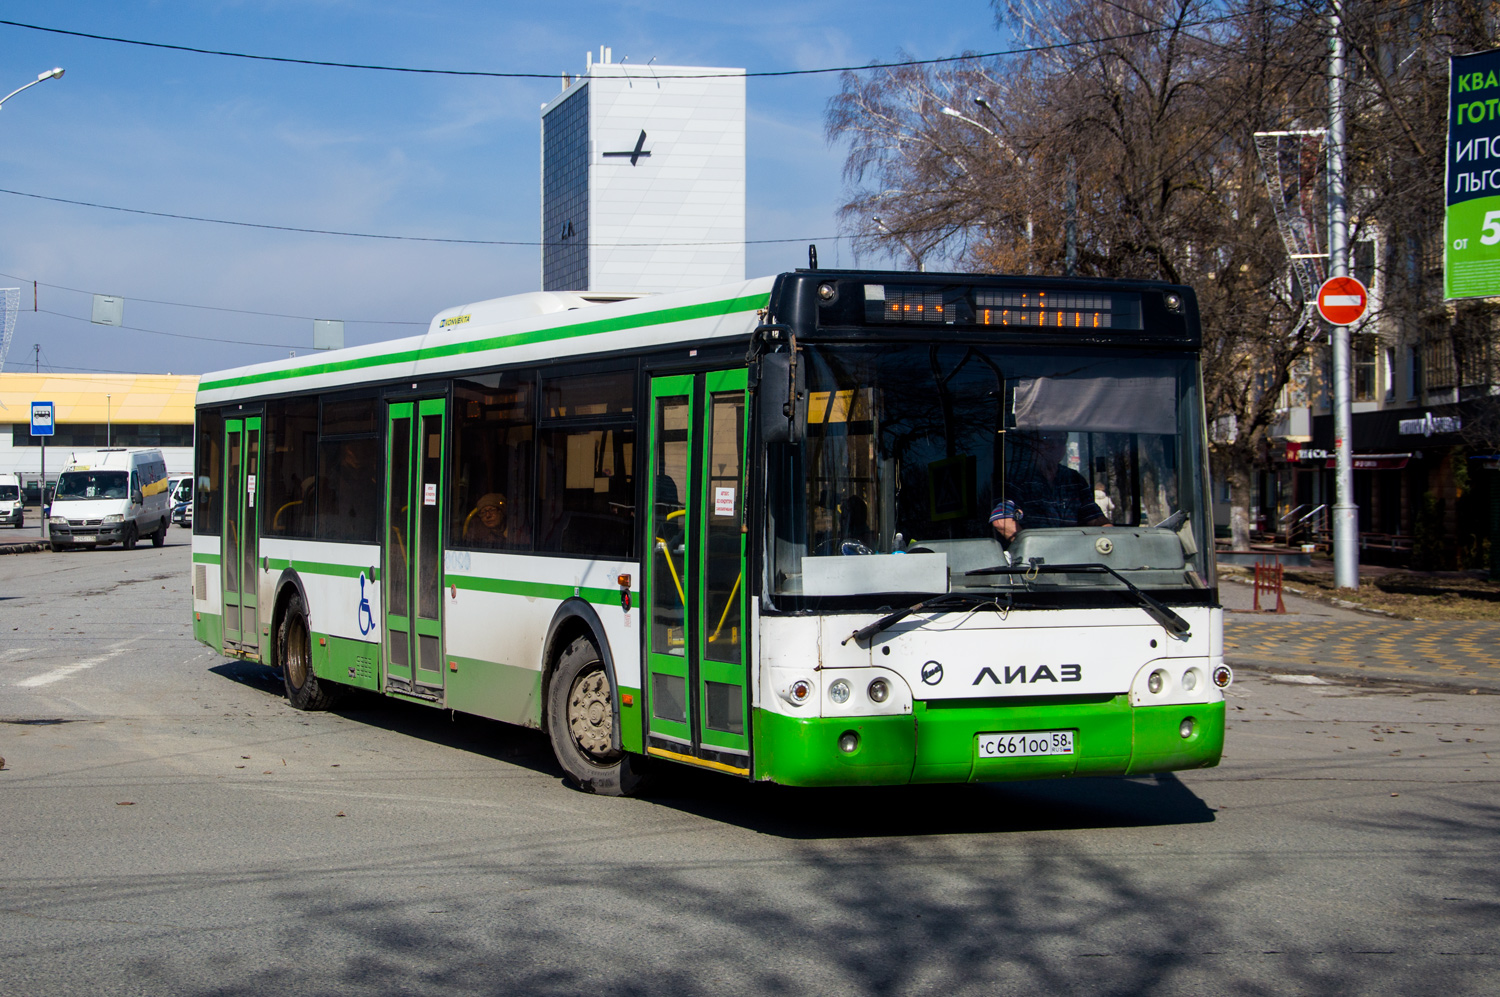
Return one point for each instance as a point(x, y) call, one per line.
point(1021, 745)
point(85, 540)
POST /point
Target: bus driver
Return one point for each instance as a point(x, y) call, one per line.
point(1044, 491)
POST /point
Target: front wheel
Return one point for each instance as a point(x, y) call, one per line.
point(160, 536)
point(128, 538)
point(294, 654)
point(581, 721)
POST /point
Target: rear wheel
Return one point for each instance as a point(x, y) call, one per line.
point(294, 654)
point(581, 722)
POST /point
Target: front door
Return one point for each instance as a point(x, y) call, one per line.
point(696, 665)
point(237, 560)
point(413, 566)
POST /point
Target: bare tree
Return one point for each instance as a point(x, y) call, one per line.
point(1147, 108)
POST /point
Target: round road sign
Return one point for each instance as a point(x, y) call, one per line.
point(1342, 300)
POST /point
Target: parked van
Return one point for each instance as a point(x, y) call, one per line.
point(110, 496)
point(12, 502)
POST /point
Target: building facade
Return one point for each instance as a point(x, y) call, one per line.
point(643, 179)
point(92, 411)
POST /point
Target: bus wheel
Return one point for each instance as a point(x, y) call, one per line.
point(294, 652)
point(581, 721)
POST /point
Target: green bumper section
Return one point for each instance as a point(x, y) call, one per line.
point(938, 742)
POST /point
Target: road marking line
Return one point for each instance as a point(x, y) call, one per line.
point(63, 671)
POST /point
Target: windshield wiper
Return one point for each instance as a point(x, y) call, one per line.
point(933, 602)
point(1158, 612)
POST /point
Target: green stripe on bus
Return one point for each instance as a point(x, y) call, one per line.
point(321, 568)
point(686, 313)
point(538, 590)
point(205, 558)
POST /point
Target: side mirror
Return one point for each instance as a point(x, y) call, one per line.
point(137, 498)
point(780, 399)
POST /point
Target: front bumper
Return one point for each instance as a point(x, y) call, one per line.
point(937, 742)
point(86, 534)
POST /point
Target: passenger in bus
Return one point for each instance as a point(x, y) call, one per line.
point(486, 523)
point(1040, 490)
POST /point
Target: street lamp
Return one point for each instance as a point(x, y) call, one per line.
point(108, 420)
point(51, 74)
point(1020, 164)
point(916, 257)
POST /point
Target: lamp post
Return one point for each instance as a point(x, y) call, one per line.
point(1016, 156)
point(108, 420)
point(51, 74)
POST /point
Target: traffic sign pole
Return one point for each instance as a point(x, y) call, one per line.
point(1345, 512)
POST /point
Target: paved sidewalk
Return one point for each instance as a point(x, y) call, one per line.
point(1315, 637)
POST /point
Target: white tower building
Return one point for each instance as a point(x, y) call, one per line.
point(643, 179)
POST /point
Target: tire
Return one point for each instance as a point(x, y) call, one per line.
point(129, 537)
point(294, 655)
point(57, 548)
point(581, 719)
point(159, 538)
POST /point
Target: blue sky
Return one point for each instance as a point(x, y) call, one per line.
point(353, 150)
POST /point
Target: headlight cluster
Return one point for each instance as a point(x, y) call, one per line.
point(116, 518)
point(1179, 682)
point(841, 694)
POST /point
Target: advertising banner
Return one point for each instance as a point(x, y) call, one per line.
point(1471, 243)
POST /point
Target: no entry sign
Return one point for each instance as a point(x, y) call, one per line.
point(1342, 300)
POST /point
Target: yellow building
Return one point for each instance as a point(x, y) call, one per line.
point(92, 411)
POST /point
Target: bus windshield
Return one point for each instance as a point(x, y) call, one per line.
point(923, 462)
point(93, 485)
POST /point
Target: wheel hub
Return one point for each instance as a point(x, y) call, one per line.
point(591, 715)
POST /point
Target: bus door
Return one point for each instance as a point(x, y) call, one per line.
point(696, 666)
point(238, 556)
point(413, 547)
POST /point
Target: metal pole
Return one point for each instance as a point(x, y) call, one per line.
point(41, 495)
point(1070, 233)
point(108, 421)
point(1345, 512)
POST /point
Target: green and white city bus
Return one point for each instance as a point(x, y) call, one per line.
point(824, 528)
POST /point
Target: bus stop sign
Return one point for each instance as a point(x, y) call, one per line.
point(1342, 300)
point(41, 419)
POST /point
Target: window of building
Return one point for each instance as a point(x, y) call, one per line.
point(494, 451)
point(1364, 367)
point(1388, 373)
point(1413, 372)
point(290, 501)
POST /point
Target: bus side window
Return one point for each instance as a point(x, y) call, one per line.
point(494, 433)
point(291, 477)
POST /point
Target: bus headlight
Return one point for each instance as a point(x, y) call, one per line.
point(1190, 679)
point(879, 691)
point(838, 691)
point(1156, 682)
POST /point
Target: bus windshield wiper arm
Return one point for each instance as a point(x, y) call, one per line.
point(889, 619)
point(1158, 612)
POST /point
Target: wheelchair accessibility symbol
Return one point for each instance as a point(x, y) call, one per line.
point(365, 617)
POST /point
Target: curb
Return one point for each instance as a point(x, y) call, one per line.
point(28, 547)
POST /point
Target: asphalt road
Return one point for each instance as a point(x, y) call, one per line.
point(168, 825)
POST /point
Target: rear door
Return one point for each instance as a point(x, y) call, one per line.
point(413, 570)
point(241, 538)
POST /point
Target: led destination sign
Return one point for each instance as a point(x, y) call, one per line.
point(1032, 309)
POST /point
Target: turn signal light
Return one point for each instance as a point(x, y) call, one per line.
point(799, 691)
point(1223, 676)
